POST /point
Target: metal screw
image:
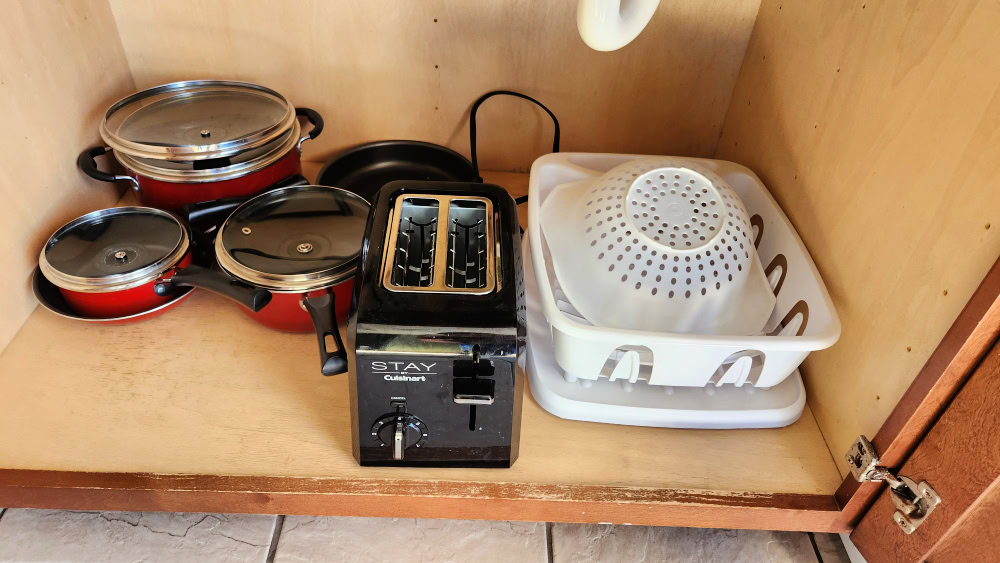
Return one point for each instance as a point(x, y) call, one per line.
point(206, 133)
point(121, 256)
point(245, 230)
point(304, 248)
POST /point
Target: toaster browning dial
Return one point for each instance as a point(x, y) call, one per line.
point(399, 431)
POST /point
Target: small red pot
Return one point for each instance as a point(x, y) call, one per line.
point(120, 303)
point(191, 142)
point(302, 244)
point(107, 263)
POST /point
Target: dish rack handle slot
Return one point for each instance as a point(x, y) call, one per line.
point(779, 261)
point(757, 224)
point(642, 365)
point(757, 358)
point(800, 308)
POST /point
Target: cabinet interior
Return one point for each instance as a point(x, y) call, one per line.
point(875, 126)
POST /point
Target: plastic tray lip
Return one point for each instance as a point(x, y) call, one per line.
point(546, 383)
point(571, 161)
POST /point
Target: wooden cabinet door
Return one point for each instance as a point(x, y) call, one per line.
point(960, 459)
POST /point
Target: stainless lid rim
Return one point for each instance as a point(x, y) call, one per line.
point(116, 282)
point(279, 282)
point(228, 148)
point(290, 284)
point(212, 174)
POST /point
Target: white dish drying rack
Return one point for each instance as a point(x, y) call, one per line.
point(649, 366)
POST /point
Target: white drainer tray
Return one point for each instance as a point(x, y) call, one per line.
point(803, 319)
point(640, 404)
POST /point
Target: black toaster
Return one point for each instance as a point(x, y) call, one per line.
point(437, 325)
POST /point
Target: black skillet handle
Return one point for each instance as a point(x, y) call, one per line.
point(317, 123)
point(323, 310)
point(251, 297)
point(208, 214)
point(205, 218)
point(87, 162)
point(472, 123)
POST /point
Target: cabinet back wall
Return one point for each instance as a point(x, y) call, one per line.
point(411, 70)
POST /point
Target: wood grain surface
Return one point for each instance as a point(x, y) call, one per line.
point(975, 537)
point(411, 70)
point(204, 390)
point(959, 458)
point(876, 126)
point(61, 65)
point(961, 350)
point(418, 499)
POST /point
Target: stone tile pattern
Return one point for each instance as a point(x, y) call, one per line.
point(60, 535)
point(601, 542)
point(398, 539)
point(831, 548)
point(56, 535)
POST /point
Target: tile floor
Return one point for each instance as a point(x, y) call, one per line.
point(58, 535)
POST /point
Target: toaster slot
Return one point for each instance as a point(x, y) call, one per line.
point(468, 246)
point(415, 243)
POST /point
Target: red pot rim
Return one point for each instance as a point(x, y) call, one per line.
point(258, 159)
point(124, 280)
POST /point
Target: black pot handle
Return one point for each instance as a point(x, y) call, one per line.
point(87, 161)
point(211, 213)
point(251, 297)
point(317, 124)
point(323, 310)
point(472, 123)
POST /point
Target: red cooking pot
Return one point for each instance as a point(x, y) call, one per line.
point(107, 263)
point(196, 141)
point(301, 243)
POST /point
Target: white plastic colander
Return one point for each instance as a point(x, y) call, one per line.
point(657, 246)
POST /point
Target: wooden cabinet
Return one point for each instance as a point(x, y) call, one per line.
point(873, 124)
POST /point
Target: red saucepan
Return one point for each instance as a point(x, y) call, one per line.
point(196, 141)
point(301, 243)
point(106, 264)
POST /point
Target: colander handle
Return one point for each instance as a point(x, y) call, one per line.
point(472, 123)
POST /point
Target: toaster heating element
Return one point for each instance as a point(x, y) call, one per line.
point(436, 328)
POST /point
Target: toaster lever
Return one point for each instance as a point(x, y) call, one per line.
point(474, 390)
point(398, 436)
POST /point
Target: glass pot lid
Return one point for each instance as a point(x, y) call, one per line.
point(196, 120)
point(113, 249)
point(297, 238)
point(215, 169)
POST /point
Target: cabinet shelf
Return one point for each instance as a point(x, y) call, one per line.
point(204, 409)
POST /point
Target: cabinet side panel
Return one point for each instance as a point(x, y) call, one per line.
point(62, 65)
point(876, 126)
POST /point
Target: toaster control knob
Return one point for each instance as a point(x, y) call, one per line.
point(399, 431)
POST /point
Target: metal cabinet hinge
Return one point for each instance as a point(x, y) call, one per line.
point(914, 502)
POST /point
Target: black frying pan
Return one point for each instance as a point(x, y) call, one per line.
point(366, 168)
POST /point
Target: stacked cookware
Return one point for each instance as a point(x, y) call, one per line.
point(437, 320)
point(224, 207)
